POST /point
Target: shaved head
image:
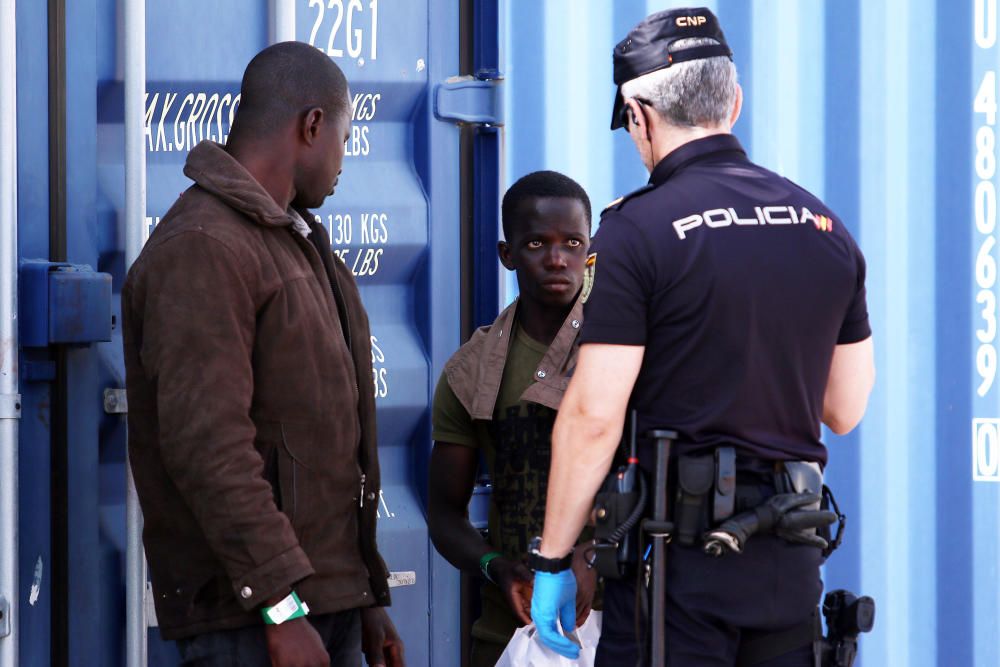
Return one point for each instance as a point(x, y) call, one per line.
point(282, 82)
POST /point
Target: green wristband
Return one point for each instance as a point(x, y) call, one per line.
point(290, 607)
point(484, 564)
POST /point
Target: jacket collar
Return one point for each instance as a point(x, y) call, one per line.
point(694, 151)
point(213, 169)
point(475, 372)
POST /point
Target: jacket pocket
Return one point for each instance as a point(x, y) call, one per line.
point(319, 478)
point(285, 493)
point(268, 444)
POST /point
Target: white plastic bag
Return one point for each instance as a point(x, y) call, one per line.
point(526, 649)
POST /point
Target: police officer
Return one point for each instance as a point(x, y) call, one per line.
point(728, 304)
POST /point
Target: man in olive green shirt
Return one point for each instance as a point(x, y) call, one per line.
point(499, 395)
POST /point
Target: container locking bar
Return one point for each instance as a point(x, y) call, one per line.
point(63, 303)
point(9, 366)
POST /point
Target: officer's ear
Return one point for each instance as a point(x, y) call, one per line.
point(634, 111)
point(737, 106)
point(638, 117)
point(503, 251)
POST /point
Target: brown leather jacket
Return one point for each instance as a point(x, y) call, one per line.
point(251, 409)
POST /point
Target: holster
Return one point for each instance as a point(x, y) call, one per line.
point(695, 483)
point(805, 477)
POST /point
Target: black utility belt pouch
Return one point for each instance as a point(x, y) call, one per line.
point(610, 511)
point(693, 499)
point(705, 493)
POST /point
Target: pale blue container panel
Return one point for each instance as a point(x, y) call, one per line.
point(870, 105)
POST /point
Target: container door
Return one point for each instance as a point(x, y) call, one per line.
point(396, 221)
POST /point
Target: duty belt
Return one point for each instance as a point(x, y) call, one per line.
point(720, 500)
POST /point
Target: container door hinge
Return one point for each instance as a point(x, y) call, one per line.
point(115, 401)
point(4, 617)
point(469, 100)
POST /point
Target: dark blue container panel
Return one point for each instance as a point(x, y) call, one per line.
point(873, 106)
point(394, 221)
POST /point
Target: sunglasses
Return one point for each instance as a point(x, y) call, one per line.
point(626, 112)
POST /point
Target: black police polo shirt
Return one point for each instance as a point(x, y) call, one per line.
point(739, 284)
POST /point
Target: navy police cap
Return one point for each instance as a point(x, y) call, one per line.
point(646, 48)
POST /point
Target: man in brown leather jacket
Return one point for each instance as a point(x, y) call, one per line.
point(251, 408)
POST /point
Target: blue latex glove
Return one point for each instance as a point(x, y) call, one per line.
point(555, 597)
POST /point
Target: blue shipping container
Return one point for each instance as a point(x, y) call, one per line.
point(886, 109)
point(397, 222)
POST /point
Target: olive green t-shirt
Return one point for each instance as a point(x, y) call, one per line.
point(517, 446)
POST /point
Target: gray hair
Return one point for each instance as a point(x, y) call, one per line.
point(692, 93)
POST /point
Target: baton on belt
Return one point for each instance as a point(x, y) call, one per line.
point(658, 529)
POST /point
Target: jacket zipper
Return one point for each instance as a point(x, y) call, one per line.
point(346, 328)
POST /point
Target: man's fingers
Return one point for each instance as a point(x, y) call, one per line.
point(395, 654)
point(520, 602)
point(374, 657)
point(583, 607)
point(523, 573)
point(521, 612)
point(524, 616)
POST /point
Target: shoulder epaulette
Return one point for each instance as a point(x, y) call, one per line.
point(617, 204)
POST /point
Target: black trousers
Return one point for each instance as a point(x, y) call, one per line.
point(247, 647)
point(713, 602)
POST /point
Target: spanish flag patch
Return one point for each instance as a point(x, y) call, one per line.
point(589, 269)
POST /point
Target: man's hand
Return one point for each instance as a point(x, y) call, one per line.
point(295, 643)
point(379, 641)
point(555, 597)
point(586, 585)
point(514, 580)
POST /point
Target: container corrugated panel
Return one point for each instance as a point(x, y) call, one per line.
point(887, 110)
